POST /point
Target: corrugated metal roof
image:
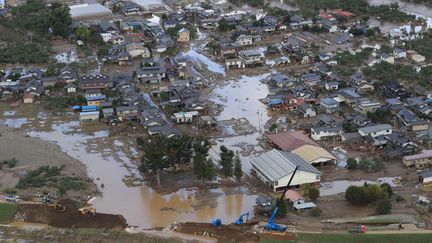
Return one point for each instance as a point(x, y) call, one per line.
point(377, 128)
point(276, 164)
point(290, 140)
point(311, 153)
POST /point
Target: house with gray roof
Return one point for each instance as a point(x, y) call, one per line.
point(275, 168)
point(377, 130)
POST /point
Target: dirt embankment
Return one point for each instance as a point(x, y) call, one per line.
point(247, 232)
point(70, 218)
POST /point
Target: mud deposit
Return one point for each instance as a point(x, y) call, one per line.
point(70, 218)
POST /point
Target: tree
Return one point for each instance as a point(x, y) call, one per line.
point(384, 206)
point(273, 127)
point(361, 195)
point(83, 32)
point(154, 158)
point(387, 189)
point(226, 161)
point(204, 168)
point(311, 192)
point(352, 163)
point(238, 173)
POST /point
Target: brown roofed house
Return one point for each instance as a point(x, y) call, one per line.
point(291, 140)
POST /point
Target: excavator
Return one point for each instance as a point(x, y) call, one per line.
point(88, 210)
point(240, 219)
point(270, 224)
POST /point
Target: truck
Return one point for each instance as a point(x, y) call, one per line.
point(13, 198)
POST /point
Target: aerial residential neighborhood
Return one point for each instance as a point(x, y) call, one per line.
point(216, 121)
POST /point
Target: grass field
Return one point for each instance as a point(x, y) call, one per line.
point(359, 238)
point(7, 212)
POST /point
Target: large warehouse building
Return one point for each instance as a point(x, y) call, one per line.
point(149, 4)
point(89, 11)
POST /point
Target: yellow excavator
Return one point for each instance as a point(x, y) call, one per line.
point(88, 210)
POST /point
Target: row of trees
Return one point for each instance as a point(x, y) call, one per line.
point(366, 194)
point(231, 164)
point(369, 166)
point(161, 152)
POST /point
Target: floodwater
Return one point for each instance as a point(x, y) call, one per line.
point(211, 65)
point(282, 5)
point(411, 8)
point(336, 187)
point(240, 99)
point(142, 206)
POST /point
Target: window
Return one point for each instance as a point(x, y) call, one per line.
point(317, 177)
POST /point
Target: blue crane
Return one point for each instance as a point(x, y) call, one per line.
point(240, 219)
point(270, 224)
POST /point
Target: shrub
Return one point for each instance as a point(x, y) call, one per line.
point(10, 163)
point(384, 206)
point(313, 193)
point(371, 166)
point(365, 194)
point(315, 212)
point(352, 163)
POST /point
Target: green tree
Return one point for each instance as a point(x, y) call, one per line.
point(311, 192)
point(83, 32)
point(238, 173)
point(352, 163)
point(204, 168)
point(387, 188)
point(273, 127)
point(227, 161)
point(154, 159)
point(384, 206)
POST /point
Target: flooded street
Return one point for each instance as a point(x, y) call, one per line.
point(411, 8)
point(240, 99)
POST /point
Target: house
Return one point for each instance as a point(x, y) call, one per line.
point(89, 117)
point(348, 96)
point(108, 112)
point(107, 27)
point(131, 8)
point(412, 121)
point(151, 73)
point(164, 130)
point(331, 86)
point(228, 49)
point(93, 82)
point(387, 58)
point(28, 98)
point(307, 110)
point(320, 133)
point(375, 131)
point(71, 88)
point(275, 168)
point(365, 88)
point(366, 105)
point(137, 50)
point(329, 105)
point(399, 53)
point(244, 40)
point(234, 63)
point(425, 177)
point(288, 141)
point(126, 112)
point(311, 79)
point(280, 80)
point(251, 57)
point(414, 56)
point(183, 35)
point(170, 23)
point(95, 100)
point(327, 121)
point(185, 117)
point(423, 159)
point(314, 155)
point(298, 201)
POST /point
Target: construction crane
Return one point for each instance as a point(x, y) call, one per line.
point(240, 219)
point(270, 224)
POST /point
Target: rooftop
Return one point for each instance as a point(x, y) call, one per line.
point(291, 140)
point(276, 164)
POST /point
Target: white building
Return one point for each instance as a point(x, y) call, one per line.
point(149, 4)
point(86, 11)
point(275, 168)
point(375, 131)
point(320, 133)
